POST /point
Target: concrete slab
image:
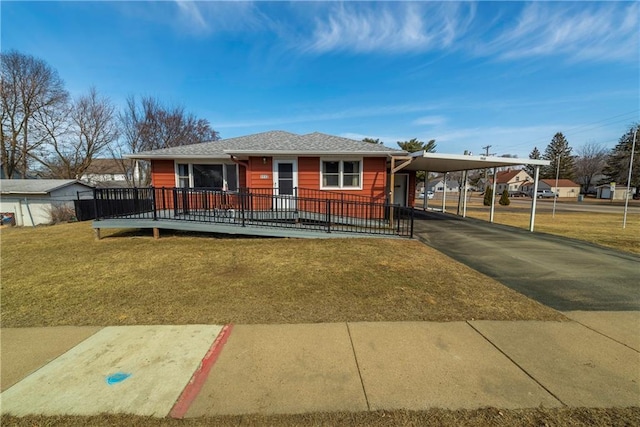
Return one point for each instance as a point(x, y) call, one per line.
point(270, 369)
point(24, 350)
point(622, 326)
point(131, 369)
point(579, 366)
point(418, 365)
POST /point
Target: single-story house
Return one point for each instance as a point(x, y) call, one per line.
point(511, 180)
point(31, 201)
point(566, 188)
point(280, 163)
point(438, 185)
point(107, 172)
point(619, 192)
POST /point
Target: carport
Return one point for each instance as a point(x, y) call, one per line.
point(446, 163)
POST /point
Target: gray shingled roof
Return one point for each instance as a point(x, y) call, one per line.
point(35, 186)
point(273, 142)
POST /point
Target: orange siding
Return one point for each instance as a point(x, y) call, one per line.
point(163, 173)
point(260, 175)
point(309, 172)
point(412, 188)
point(374, 180)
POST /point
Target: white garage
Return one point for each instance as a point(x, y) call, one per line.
point(30, 201)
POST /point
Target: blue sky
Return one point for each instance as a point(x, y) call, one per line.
point(506, 74)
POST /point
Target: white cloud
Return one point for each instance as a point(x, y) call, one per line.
point(430, 120)
point(189, 12)
point(577, 31)
point(389, 27)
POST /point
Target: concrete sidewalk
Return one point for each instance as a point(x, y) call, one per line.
point(203, 370)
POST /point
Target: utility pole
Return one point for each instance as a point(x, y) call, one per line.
point(486, 176)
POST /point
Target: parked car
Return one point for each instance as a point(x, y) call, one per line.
point(429, 194)
point(518, 194)
point(543, 194)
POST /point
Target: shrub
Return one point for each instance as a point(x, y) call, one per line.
point(62, 213)
point(488, 196)
point(504, 199)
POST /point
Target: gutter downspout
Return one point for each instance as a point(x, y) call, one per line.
point(26, 202)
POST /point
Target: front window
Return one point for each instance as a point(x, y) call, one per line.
point(341, 174)
point(218, 176)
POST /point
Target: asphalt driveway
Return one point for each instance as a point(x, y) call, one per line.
point(562, 273)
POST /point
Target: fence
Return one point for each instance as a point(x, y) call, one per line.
point(305, 209)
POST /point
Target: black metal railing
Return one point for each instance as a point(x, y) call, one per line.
point(304, 209)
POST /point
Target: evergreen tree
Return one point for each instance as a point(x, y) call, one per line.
point(617, 168)
point(504, 199)
point(488, 196)
point(372, 141)
point(558, 150)
point(535, 155)
point(414, 145)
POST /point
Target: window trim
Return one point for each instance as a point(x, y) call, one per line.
point(190, 164)
point(341, 161)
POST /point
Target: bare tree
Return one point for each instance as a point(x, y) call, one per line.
point(77, 134)
point(591, 160)
point(28, 86)
point(149, 125)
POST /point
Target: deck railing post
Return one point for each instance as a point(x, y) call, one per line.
point(328, 215)
point(95, 204)
point(164, 202)
point(397, 214)
point(411, 226)
point(175, 201)
point(242, 201)
point(153, 203)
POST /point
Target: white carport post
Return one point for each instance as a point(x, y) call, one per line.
point(464, 201)
point(534, 197)
point(493, 194)
point(425, 203)
point(444, 192)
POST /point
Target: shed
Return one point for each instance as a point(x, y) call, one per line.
point(31, 201)
point(619, 192)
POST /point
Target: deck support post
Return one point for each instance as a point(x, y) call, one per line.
point(96, 233)
point(156, 233)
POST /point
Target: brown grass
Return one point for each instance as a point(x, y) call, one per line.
point(549, 417)
point(60, 275)
point(603, 229)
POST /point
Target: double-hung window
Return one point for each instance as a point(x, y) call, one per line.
point(346, 174)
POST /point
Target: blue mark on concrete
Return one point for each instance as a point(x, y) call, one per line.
point(116, 378)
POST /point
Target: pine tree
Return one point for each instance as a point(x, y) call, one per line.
point(504, 199)
point(558, 150)
point(488, 196)
point(617, 169)
point(535, 155)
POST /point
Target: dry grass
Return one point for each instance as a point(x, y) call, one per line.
point(60, 275)
point(548, 417)
point(603, 229)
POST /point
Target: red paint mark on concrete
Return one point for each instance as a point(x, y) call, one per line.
point(196, 382)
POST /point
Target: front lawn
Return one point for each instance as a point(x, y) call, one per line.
point(60, 275)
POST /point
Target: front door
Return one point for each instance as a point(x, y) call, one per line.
point(400, 189)
point(285, 180)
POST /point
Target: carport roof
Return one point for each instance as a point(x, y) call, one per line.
point(438, 162)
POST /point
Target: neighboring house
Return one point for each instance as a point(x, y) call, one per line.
point(566, 188)
point(438, 185)
point(107, 172)
point(619, 192)
point(283, 164)
point(511, 180)
point(31, 201)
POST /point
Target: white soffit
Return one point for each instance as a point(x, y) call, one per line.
point(438, 162)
